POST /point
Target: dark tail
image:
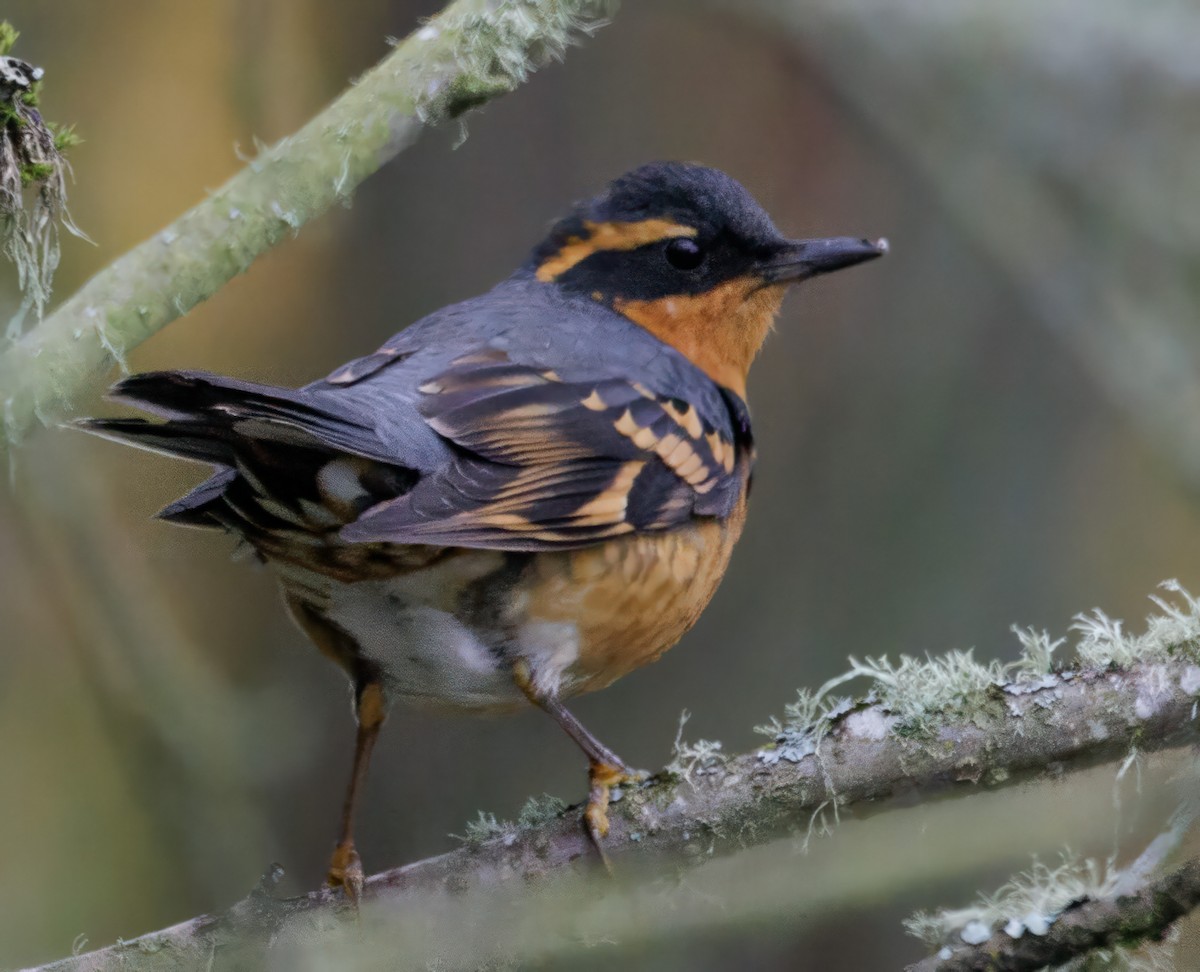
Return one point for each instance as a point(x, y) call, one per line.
point(209, 416)
point(188, 394)
point(189, 440)
point(265, 439)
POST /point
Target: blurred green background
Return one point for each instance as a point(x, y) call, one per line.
point(996, 424)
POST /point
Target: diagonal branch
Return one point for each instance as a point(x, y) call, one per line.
point(470, 53)
point(864, 759)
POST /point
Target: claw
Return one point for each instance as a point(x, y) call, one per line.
point(603, 777)
point(346, 872)
point(595, 816)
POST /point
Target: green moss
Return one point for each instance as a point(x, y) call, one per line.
point(8, 37)
point(36, 172)
point(65, 137)
point(467, 92)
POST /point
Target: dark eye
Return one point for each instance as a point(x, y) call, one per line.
point(684, 253)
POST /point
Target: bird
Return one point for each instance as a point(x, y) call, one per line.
point(521, 497)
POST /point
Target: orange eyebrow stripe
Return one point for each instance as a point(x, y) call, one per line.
point(609, 236)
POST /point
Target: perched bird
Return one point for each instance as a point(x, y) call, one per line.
point(523, 496)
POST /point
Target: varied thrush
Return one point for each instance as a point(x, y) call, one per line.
point(523, 496)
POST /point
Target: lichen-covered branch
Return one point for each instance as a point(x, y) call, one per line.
point(473, 51)
point(1081, 909)
point(1140, 915)
point(946, 727)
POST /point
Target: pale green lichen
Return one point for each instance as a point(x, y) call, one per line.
point(804, 723)
point(536, 812)
point(913, 689)
point(1103, 640)
point(501, 46)
point(540, 810)
point(918, 693)
point(704, 757)
point(1037, 652)
point(1029, 903)
point(485, 827)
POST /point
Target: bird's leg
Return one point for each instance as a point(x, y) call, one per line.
point(605, 768)
point(370, 707)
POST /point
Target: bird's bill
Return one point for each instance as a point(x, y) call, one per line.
point(801, 259)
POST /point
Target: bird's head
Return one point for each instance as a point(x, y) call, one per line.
point(686, 252)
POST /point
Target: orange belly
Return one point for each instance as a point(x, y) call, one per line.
point(633, 598)
point(445, 627)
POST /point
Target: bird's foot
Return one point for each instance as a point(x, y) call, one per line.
point(346, 871)
point(603, 778)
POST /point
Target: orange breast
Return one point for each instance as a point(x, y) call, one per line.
point(632, 598)
point(719, 331)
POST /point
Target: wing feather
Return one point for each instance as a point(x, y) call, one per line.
point(544, 463)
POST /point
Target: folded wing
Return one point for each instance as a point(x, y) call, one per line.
point(538, 462)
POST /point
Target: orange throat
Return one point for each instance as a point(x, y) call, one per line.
point(719, 331)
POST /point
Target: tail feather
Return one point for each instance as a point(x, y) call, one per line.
point(175, 394)
point(189, 440)
point(254, 411)
point(204, 506)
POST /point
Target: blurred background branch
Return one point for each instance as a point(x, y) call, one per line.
point(1020, 120)
point(471, 52)
point(1074, 916)
point(1143, 913)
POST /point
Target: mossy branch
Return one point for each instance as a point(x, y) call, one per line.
point(473, 51)
point(927, 730)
